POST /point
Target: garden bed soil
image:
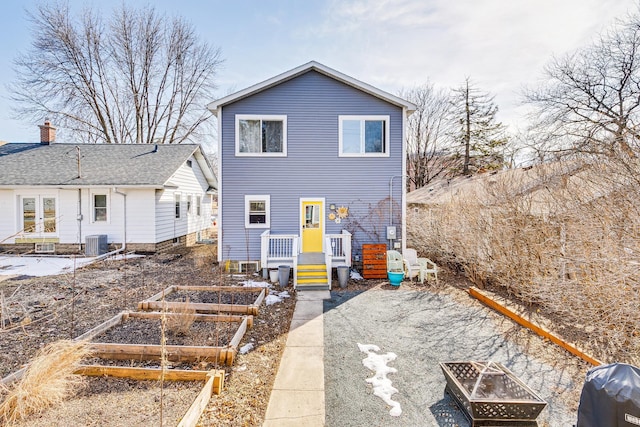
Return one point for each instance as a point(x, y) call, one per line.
point(47, 309)
point(149, 331)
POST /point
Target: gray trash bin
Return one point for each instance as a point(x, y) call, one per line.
point(343, 275)
point(283, 274)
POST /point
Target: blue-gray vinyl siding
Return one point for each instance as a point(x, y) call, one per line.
point(312, 103)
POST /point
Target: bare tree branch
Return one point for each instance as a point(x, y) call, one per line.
point(136, 77)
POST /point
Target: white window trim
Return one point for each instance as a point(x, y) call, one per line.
point(198, 205)
point(93, 207)
point(267, 206)
point(282, 118)
point(189, 205)
point(387, 144)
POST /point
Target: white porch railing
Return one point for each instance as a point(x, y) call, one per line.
point(339, 246)
point(278, 249)
point(283, 249)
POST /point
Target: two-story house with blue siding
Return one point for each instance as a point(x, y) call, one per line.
point(311, 167)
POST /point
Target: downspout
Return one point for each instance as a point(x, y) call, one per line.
point(79, 220)
point(391, 202)
point(124, 231)
point(391, 197)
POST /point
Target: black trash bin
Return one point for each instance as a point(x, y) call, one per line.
point(610, 397)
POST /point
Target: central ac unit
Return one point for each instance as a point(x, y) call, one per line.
point(96, 245)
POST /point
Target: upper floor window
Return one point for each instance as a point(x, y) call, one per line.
point(363, 136)
point(261, 135)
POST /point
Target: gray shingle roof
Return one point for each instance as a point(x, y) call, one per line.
point(100, 164)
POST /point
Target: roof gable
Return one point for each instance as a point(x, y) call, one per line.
point(96, 164)
point(311, 66)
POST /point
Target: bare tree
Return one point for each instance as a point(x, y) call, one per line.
point(482, 137)
point(428, 140)
point(590, 102)
point(136, 77)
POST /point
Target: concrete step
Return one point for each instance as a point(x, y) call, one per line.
point(312, 286)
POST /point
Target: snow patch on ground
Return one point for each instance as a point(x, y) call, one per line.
point(381, 384)
point(246, 348)
point(276, 297)
point(40, 265)
point(47, 265)
point(254, 284)
point(355, 275)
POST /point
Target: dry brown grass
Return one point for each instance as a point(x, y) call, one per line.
point(566, 238)
point(48, 380)
point(179, 320)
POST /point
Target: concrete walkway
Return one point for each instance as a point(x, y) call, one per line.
point(297, 398)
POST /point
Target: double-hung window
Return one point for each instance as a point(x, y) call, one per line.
point(363, 136)
point(261, 135)
point(99, 202)
point(257, 211)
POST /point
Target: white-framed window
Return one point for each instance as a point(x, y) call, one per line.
point(261, 135)
point(198, 205)
point(177, 197)
point(189, 204)
point(363, 136)
point(257, 211)
point(99, 207)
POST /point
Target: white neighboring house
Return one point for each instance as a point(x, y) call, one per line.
point(143, 197)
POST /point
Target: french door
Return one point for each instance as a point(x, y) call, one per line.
point(39, 214)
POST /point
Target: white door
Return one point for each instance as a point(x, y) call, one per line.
point(39, 215)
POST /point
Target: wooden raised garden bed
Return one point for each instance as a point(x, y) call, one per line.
point(207, 299)
point(216, 337)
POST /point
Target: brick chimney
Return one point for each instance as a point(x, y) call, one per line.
point(47, 133)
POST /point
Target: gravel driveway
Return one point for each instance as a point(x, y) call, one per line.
point(424, 328)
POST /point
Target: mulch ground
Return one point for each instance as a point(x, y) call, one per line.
point(40, 310)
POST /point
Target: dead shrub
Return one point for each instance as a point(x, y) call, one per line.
point(47, 381)
point(564, 236)
point(180, 320)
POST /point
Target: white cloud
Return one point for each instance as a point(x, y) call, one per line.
point(501, 45)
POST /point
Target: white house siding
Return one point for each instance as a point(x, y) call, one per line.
point(189, 181)
point(8, 216)
point(312, 103)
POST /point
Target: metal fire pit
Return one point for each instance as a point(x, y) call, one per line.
point(490, 394)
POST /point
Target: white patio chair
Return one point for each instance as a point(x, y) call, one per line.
point(394, 261)
point(419, 267)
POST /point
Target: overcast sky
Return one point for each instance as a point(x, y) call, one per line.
point(391, 44)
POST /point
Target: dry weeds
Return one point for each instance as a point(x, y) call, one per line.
point(179, 320)
point(563, 238)
point(47, 381)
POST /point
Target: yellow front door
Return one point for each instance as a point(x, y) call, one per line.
point(312, 226)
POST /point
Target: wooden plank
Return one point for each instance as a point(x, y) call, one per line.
point(219, 288)
point(174, 353)
point(485, 299)
point(374, 247)
point(115, 320)
point(211, 318)
point(193, 414)
point(159, 295)
point(153, 374)
point(199, 307)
